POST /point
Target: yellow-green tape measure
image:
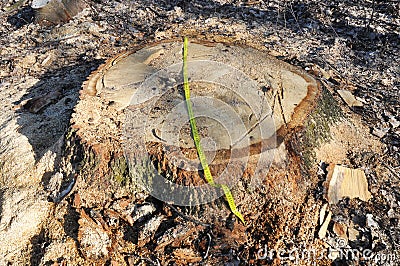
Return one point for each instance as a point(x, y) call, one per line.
point(196, 138)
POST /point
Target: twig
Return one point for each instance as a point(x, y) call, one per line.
point(184, 216)
point(208, 246)
point(294, 16)
point(66, 191)
point(391, 170)
point(143, 258)
point(372, 15)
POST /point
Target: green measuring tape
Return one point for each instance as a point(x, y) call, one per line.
point(196, 138)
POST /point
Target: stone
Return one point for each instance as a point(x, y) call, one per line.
point(371, 222)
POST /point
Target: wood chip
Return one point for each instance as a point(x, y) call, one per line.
point(352, 233)
point(320, 72)
point(322, 213)
point(349, 98)
point(324, 228)
point(93, 239)
point(347, 182)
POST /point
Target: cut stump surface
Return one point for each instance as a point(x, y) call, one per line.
point(245, 103)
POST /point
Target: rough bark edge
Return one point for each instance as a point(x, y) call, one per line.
point(316, 130)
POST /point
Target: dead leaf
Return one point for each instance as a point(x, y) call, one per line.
point(340, 230)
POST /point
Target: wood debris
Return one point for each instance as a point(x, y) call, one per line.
point(347, 182)
point(394, 122)
point(322, 214)
point(349, 98)
point(371, 222)
point(37, 104)
point(352, 233)
point(324, 228)
point(93, 239)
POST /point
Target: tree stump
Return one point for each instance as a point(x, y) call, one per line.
point(259, 120)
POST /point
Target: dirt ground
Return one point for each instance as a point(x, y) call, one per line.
point(352, 45)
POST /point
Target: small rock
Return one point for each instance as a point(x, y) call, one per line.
point(371, 222)
point(380, 132)
point(150, 228)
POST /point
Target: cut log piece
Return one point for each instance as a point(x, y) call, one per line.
point(56, 11)
point(259, 121)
